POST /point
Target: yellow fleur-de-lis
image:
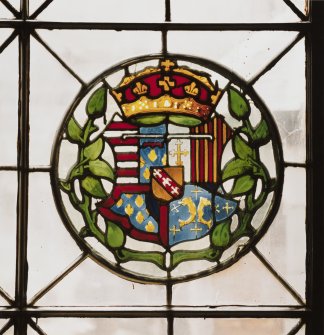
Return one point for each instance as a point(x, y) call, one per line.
point(152, 155)
point(191, 89)
point(150, 227)
point(140, 89)
point(146, 174)
point(139, 217)
point(139, 201)
point(119, 202)
point(129, 210)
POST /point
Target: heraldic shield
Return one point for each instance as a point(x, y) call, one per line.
point(154, 169)
point(167, 183)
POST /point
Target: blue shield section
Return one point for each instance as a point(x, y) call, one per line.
point(191, 217)
point(152, 150)
point(134, 207)
point(224, 208)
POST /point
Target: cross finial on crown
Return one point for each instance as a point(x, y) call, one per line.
point(167, 64)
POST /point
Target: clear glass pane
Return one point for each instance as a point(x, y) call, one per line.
point(46, 236)
point(72, 326)
point(283, 90)
point(91, 52)
point(233, 326)
point(90, 284)
point(3, 323)
point(244, 52)
point(8, 100)
point(52, 89)
point(302, 331)
point(302, 5)
point(16, 3)
point(10, 331)
point(5, 13)
point(105, 11)
point(284, 245)
point(247, 282)
point(8, 201)
point(3, 302)
point(31, 331)
point(231, 11)
point(34, 5)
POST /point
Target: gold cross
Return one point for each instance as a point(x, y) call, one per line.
point(178, 153)
point(196, 191)
point(166, 83)
point(227, 207)
point(167, 64)
point(174, 230)
point(175, 208)
point(196, 229)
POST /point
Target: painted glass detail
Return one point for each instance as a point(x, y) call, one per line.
point(163, 164)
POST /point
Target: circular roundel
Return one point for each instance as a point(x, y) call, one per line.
point(167, 168)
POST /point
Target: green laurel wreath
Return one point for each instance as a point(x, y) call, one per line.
point(245, 169)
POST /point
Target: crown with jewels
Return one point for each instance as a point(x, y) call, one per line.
point(167, 88)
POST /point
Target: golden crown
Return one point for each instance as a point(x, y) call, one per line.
point(167, 88)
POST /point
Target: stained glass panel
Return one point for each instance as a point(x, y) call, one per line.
point(157, 156)
point(167, 110)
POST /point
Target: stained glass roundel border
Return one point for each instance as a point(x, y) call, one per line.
point(167, 168)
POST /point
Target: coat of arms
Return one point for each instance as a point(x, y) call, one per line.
point(163, 161)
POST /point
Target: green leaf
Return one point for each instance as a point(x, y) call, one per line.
point(235, 168)
point(184, 120)
point(94, 150)
point(65, 186)
point(242, 185)
point(149, 120)
point(261, 133)
point(241, 148)
point(97, 103)
point(74, 131)
point(239, 107)
point(221, 234)
point(93, 187)
point(115, 235)
point(77, 171)
point(93, 129)
point(101, 168)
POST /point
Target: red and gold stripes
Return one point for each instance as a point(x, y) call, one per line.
point(206, 153)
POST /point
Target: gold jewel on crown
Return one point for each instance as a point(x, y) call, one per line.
point(167, 88)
